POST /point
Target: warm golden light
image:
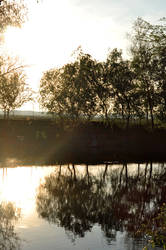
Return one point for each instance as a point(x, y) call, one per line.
point(18, 185)
point(12, 40)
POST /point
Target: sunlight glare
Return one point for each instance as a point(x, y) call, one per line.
point(18, 185)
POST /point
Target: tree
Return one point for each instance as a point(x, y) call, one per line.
point(51, 91)
point(158, 40)
point(70, 90)
point(103, 90)
point(144, 64)
point(79, 81)
point(121, 79)
point(11, 13)
point(14, 91)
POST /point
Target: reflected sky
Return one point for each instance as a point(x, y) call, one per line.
point(20, 186)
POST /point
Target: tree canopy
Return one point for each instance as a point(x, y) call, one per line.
point(14, 91)
point(70, 91)
point(132, 88)
point(11, 13)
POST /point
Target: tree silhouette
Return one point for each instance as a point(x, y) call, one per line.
point(144, 65)
point(121, 79)
point(14, 91)
point(70, 90)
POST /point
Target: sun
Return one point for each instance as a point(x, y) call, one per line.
point(13, 41)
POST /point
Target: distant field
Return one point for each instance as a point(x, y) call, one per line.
point(27, 114)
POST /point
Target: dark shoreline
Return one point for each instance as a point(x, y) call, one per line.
point(44, 142)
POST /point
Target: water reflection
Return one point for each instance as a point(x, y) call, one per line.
point(105, 203)
point(18, 185)
point(9, 214)
point(117, 198)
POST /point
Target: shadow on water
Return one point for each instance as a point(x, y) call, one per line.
point(117, 198)
point(43, 142)
point(9, 214)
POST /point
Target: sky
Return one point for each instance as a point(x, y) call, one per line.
point(56, 28)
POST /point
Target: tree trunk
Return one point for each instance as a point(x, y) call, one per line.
point(126, 174)
point(68, 166)
point(151, 170)
point(152, 119)
point(146, 171)
point(120, 179)
point(4, 114)
point(165, 104)
point(105, 171)
point(151, 109)
point(128, 115)
point(122, 112)
point(60, 167)
point(151, 115)
point(106, 116)
point(138, 171)
point(147, 115)
point(106, 113)
point(87, 174)
point(74, 172)
point(128, 121)
point(8, 114)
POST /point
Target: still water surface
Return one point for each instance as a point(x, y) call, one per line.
point(79, 207)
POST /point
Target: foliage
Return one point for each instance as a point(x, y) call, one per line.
point(103, 91)
point(11, 13)
point(69, 91)
point(14, 91)
point(147, 49)
point(155, 230)
point(132, 89)
point(121, 78)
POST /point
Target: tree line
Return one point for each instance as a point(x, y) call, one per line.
point(85, 88)
point(132, 88)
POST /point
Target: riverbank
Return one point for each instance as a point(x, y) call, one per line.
point(45, 142)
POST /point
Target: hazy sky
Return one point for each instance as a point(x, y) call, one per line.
point(57, 27)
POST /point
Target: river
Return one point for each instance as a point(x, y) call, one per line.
point(80, 207)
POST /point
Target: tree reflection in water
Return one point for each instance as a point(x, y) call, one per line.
point(9, 214)
point(115, 198)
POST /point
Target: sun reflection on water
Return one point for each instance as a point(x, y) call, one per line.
point(79, 201)
point(18, 185)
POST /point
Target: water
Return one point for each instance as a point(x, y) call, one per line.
point(79, 207)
